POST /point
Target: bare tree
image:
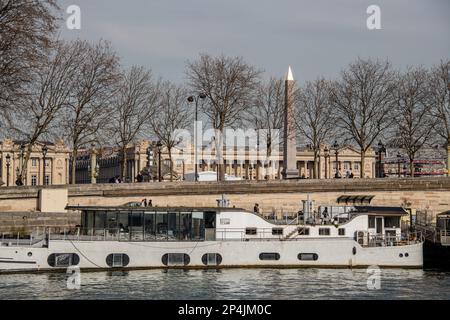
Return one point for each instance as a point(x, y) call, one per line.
point(362, 101)
point(35, 112)
point(88, 110)
point(172, 116)
point(135, 104)
point(26, 31)
point(267, 113)
point(229, 84)
point(314, 117)
point(440, 100)
point(413, 121)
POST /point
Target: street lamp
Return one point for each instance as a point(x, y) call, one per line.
point(336, 148)
point(182, 160)
point(159, 145)
point(381, 150)
point(326, 155)
point(398, 163)
point(8, 163)
point(44, 153)
point(190, 100)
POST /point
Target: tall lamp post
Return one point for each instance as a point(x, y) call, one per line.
point(159, 146)
point(326, 153)
point(8, 164)
point(19, 180)
point(190, 100)
point(398, 163)
point(381, 150)
point(44, 154)
point(336, 148)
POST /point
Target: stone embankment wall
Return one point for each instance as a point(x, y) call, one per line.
point(432, 194)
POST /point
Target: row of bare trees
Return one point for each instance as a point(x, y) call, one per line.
point(79, 91)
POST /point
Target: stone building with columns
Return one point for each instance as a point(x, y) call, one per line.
point(55, 172)
point(243, 163)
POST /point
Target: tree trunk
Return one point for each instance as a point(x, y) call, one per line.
point(169, 151)
point(411, 167)
point(316, 165)
point(124, 163)
point(363, 164)
point(74, 163)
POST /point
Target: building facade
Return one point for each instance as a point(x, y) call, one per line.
point(53, 172)
point(143, 158)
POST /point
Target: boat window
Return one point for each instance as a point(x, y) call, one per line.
point(149, 226)
point(250, 231)
point(225, 221)
point(210, 220)
point(198, 226)
point(211, 259)
point(308, 256)
point(100, 220)
point(59, 260)
point(324, 231)
point(392, 222)
point(123, 224)
point(161, 226)
point(277, 231)
point(303, 231)
point(111, 222)
point(173, 225)
point(185, 225)
point(117, 260)
point(136, 226)
point(372, 222)
point(269, 256)
point(341, 231)
point(176, 259)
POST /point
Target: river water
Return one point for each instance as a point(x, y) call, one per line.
point(233, 284)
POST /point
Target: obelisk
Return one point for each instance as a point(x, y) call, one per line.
point(290, 141)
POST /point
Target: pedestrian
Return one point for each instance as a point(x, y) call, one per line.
point(256, 208)
point(150, 204)
point(139, 177)
point(144, 202)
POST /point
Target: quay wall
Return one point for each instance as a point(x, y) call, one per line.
point(432, 194)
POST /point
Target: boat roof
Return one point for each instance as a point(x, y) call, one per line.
point(372, 210)
point(154, 208)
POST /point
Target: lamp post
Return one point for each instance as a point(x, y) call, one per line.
point(8, 164)
point(190, 100)
point(44, 154)
point(326, 153)
point(336, 148)
point(381, 150)
point(159, 146)
point(398, 163)
point(182, 161)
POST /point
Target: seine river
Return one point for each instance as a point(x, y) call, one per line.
point(232, 284)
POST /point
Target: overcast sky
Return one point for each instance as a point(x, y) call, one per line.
point(315, 37)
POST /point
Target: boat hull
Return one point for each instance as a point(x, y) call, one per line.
point(328, 253)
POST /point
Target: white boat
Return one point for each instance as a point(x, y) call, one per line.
point(134, 237)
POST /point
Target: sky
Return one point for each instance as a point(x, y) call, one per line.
point(316, 37)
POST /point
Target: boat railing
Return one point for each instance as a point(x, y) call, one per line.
point(379, 240)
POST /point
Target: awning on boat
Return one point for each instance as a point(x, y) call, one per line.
point(359, 199)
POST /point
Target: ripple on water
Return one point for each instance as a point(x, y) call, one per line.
point(232, 284)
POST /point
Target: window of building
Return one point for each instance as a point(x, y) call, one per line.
point(34, 162)
point(324, 231)
point(47, 162)
point(277, 231)
point(356, 166)
point(250, 231)
point(341, 231)
point(33, 180)
point(269, 256)
point(303, 231)
point(47, 180)
point(347, 165)
point(308, 256)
